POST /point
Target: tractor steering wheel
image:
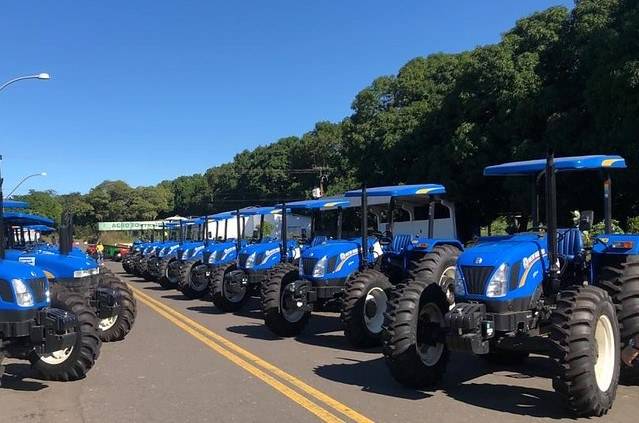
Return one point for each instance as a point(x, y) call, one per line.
point(375, 233)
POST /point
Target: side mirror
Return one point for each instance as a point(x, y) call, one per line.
point(586, 220)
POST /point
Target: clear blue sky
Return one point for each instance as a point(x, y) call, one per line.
point(150, 90)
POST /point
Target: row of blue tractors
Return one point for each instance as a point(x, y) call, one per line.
point(388, 260)
point(57, 305)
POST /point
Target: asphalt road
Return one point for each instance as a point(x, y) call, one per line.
point(186, 362)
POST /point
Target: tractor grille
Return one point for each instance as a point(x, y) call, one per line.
point(180, 254)
point(6, 293)
point(242, 260)
point(308, 264)
point(476, 278)
point(207, 256)
point(39, 289)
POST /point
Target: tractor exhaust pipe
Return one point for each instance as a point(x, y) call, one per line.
point(364, 260)
point(66, 233)
point(239, 235)
point(551, 216)
point(284, 252)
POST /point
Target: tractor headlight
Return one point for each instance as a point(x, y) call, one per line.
point(498, 285)
point(81, 273)
point(250, 260)
point(320, 268)
point(460, 287)
point(23, 294)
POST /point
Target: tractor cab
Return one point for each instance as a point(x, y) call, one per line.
point(412, 220)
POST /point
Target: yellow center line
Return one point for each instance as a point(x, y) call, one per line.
point(320, 412)
point(252, 358)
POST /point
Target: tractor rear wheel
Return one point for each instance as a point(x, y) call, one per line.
point(226, 297)
point(192, 280)
point(74, 362)
point(414, 345)
point(117, 327)
point(621, 281)
point(585, 333)
point(280, 319)
point(363, 307)
point(167, 280)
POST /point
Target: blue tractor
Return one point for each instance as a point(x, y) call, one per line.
point(340, 271)
point(233, 283)
point(29, 327)
point(541, 291)
point(71, 271)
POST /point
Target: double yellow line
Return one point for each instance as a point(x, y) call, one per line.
point(309, 397)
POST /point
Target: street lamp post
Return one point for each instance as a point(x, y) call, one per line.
point(24, 179)
point(41, 76)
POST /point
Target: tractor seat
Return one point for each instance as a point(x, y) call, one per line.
point(570, 243)
point(318, 240)
point(400, 242)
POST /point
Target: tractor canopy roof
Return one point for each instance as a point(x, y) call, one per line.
point(14, 204)
point(399, 191)
point(24, 219)
point(254, 211)
point(324, 203)
point(564, 164)
point(40, 228)
point(222, 216)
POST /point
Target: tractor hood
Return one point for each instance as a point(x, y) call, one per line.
point(56, 265)
point(222, 252)
point(521, 260)
point(265, 255)
point(336, 259)
point(13, 276)
point(10, 269)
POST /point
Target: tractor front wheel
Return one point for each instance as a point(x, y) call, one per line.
point(414, 345)
point(227, 296)
point(193, 281)
point(281, 317)
point(168, 275)
point(585, 333)
point(74, 362)
point(363, 307)
point(116, 328)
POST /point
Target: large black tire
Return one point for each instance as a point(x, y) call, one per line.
point(84, 352)
point(621, 281)
point(127, 264)
point(117, 328)
point(164, 280)
point(416, 355)
point(365, 302)
point(219, 293)
point(191, 285)
point(437, 266)
point(272, 287)
point(582, 351)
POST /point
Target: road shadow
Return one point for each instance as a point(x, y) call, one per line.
point(370, 375)
point(373, 376)
point(154, 288)
point(14, 375)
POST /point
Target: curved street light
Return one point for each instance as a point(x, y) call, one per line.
point(24, 179)
point(42, 76)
